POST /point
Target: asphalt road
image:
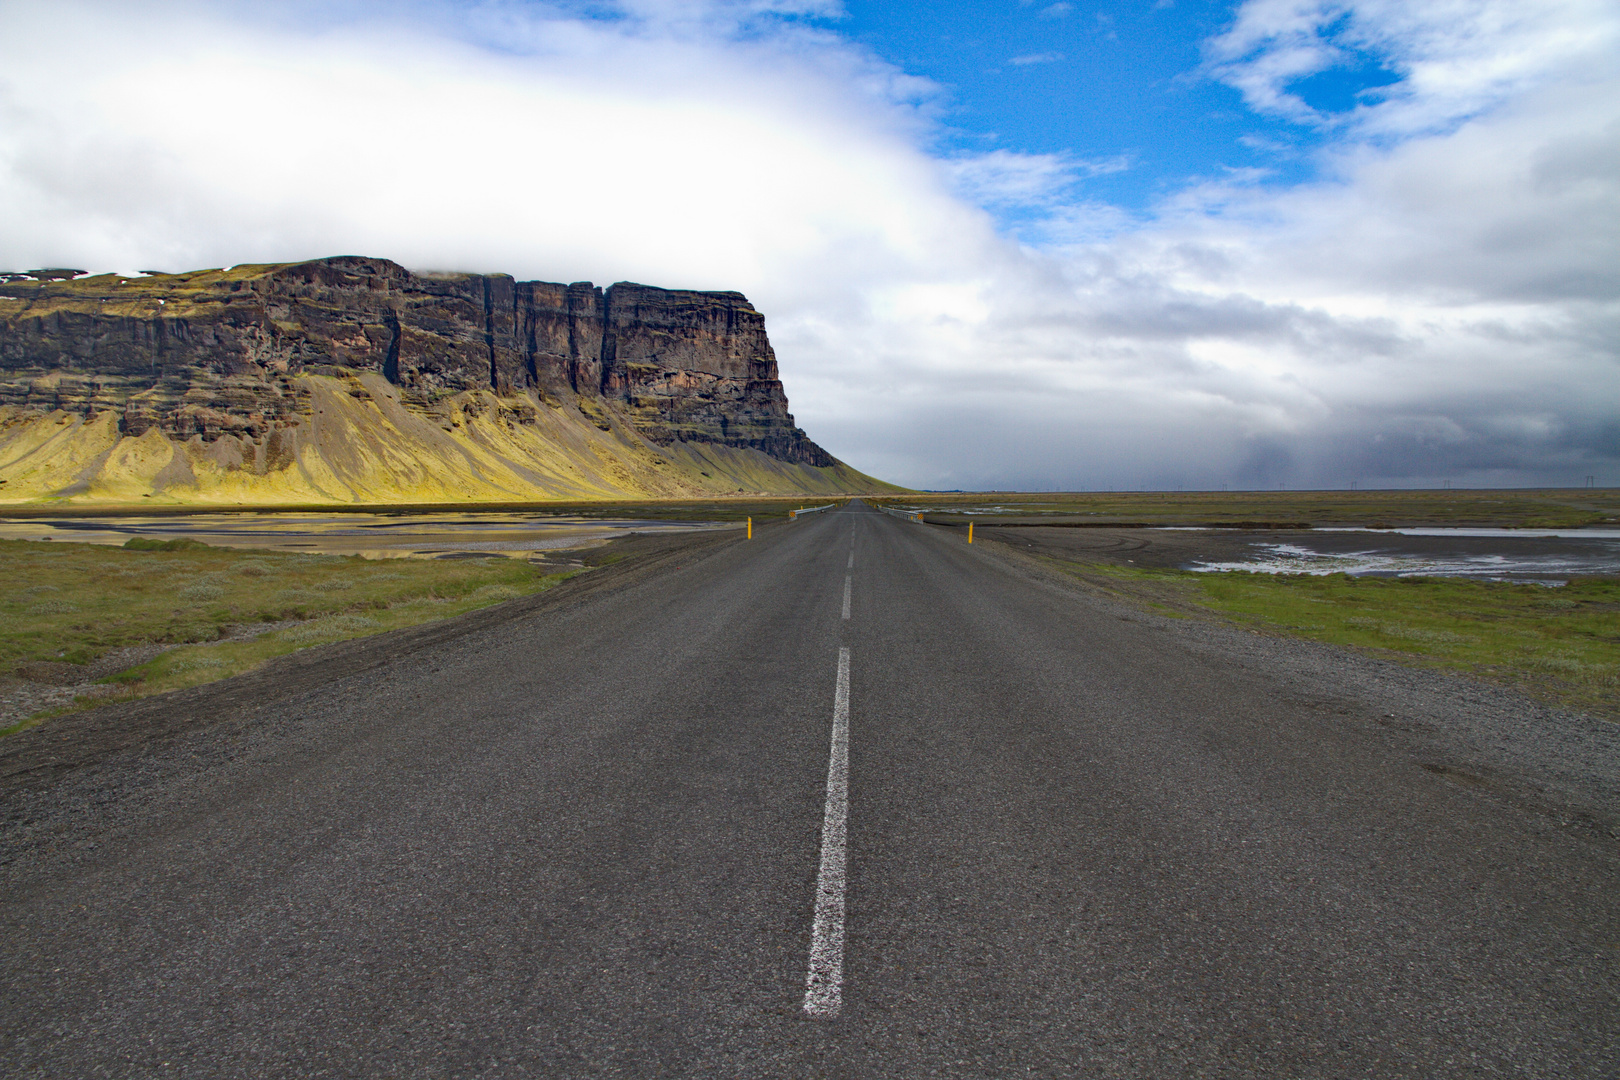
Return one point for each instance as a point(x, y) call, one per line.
point(587, 842)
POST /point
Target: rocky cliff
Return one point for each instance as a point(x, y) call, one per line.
point(354, 379)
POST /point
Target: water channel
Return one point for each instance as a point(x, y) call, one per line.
point(373, 535)
point(1546, 556)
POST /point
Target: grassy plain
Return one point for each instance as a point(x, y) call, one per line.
point(72, 604)
point(65, 604)
point(1559, 644)
point(1501, 508)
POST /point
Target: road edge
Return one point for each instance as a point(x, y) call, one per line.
point(36, 756)
point(1489, 739)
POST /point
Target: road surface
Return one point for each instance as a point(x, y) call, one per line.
point(608, 838)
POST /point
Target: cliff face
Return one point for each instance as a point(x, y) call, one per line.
point(215, 352)
point(235, 367)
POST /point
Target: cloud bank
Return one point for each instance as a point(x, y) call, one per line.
point(1441, 303)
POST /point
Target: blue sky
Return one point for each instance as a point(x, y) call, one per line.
point(1110, 82)
point(998, 245)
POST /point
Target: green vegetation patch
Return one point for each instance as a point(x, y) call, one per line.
point(75, 603)
point(148, 543)
point(1562, 644)
point(1505, 508)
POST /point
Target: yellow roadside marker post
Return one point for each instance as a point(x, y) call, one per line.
point(970, 532)
point(750, 528)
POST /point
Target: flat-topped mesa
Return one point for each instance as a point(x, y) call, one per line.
point(218, 352)
point(698, 367)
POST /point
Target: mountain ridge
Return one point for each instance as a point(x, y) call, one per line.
point(351, 379)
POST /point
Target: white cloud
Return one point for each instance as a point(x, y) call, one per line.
point(1036, 58)
point(1443, 304)
point(1457, 58)
point(1002, 178)
point(197, 138)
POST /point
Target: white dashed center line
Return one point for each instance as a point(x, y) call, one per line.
point(846, 596)
point(824, 986)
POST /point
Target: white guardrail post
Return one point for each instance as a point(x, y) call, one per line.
point(793, 515)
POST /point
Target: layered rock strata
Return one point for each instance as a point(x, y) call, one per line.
point(235, 364)
point(216, 351)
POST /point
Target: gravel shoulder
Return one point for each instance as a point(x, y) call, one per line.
point(1489, 739)
point(36, 756)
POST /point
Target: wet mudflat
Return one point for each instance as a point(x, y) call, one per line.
point(1549, 557)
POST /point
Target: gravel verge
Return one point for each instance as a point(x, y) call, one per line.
point(1493, 740)
point(46, 685)
point(39, 755)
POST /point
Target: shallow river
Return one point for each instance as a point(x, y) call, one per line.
point(376, 536)
point(1548, 556)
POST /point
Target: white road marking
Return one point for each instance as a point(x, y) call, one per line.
point(846, 596)
point(851, 564)
point(824, 986)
